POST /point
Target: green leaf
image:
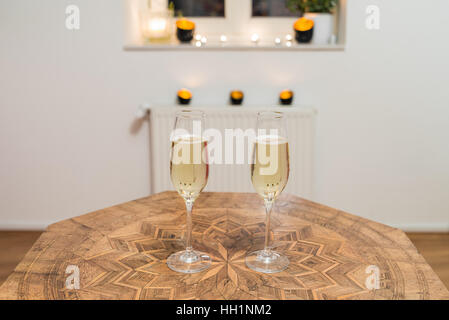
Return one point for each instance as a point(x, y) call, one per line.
point(318, 6)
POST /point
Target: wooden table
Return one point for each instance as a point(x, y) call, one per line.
point(121, 252)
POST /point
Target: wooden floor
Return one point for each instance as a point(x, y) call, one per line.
point(433, 246)
point(13, 247)
point(435, 249)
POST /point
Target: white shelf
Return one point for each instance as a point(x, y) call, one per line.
point(233, 47)
point(242, 108)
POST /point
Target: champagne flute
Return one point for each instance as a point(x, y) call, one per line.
point(189, 170)
point(269, 175)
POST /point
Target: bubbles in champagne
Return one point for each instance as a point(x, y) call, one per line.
point(270, 170)
point(189, 170)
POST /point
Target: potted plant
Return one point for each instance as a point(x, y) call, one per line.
point(321, 12)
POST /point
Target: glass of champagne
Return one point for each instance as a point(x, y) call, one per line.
point(189, 170)
point(269, 175)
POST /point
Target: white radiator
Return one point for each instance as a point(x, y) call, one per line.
point(236, 178)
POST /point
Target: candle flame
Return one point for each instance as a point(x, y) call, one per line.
point(157, 24)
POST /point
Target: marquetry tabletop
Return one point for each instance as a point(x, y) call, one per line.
point(121, 253)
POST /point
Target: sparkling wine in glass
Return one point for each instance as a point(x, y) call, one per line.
point(269, 175)
point(189, 170)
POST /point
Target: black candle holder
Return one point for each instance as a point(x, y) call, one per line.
point(236, 97)
point(184, 96)
point(303, 30)
point(286, 97)
point(185, 30)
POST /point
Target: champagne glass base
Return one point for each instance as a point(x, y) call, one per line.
point(267, 261)
point(188, 261)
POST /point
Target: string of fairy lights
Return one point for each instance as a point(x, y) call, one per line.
point(201, 40)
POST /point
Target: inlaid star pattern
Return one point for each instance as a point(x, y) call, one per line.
point(137, 262)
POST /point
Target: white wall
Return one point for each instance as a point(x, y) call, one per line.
point(69, 145)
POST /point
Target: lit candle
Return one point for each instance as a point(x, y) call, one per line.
point(185, 30)
point(286, 97)
point(156, 27)
point(156, 21)
point(236, 97)
point(184, 96)
point(157, 24)
point(303, 30)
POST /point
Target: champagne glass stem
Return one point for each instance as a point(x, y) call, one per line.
point(268, 208)
point(189, 207)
